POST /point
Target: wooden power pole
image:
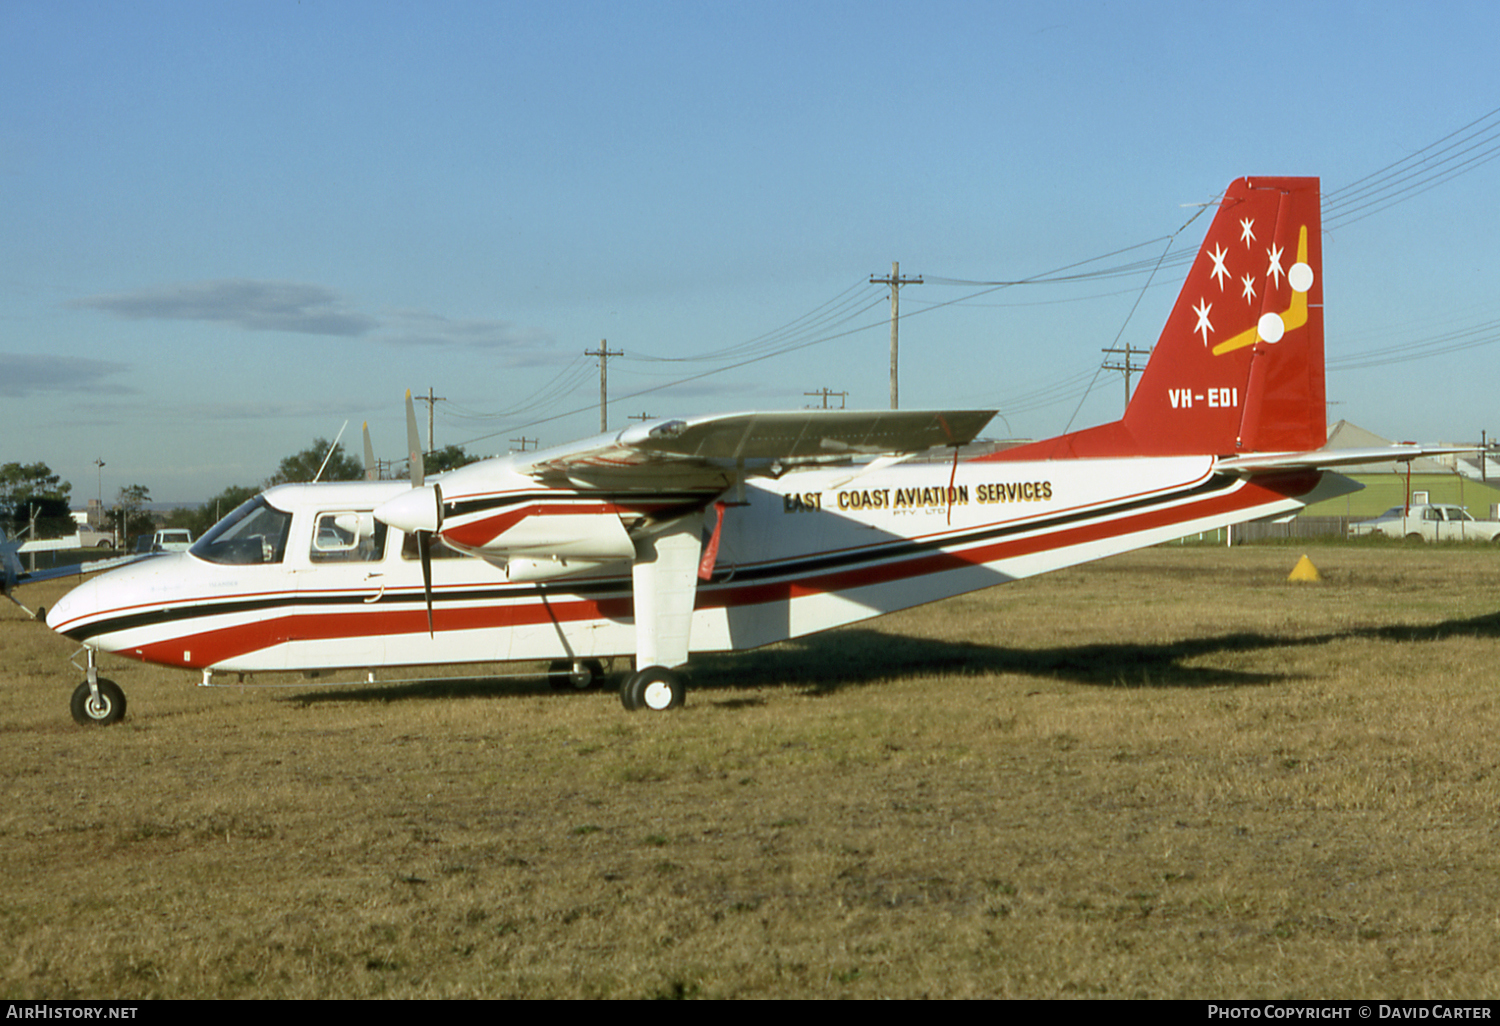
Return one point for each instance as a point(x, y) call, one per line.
point(1126, 365)
point(604, 353)
point(827, 393)
point(431, 401)
point(895, 281)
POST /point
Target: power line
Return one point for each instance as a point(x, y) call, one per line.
point(1450, 157)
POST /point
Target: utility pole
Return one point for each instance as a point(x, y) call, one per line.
point(523, 442)
point(604, 353)
point(1126, 365)
point(895, 281)
point(828, 393)
point(431, 401)
point(642, 417)
point(102, 520)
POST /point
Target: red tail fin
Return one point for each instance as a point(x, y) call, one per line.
point(1239, 366)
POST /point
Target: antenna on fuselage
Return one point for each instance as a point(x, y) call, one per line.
point(332, 447)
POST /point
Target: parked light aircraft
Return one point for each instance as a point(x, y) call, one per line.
point(729, 532)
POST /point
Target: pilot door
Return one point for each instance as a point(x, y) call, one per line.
point(341, 582)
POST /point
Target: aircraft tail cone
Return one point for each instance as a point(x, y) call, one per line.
point(1304, 571)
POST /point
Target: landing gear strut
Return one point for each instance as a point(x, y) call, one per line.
point(655, 688)
point(97, 702)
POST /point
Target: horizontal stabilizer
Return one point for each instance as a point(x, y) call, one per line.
point(1322, 458)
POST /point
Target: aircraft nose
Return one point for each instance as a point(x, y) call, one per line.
point(73, 607)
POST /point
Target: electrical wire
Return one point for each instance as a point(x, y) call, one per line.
point(1456, 154)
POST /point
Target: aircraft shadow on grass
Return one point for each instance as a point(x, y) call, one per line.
point(861, 657)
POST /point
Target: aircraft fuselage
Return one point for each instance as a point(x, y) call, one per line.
point(814, 549)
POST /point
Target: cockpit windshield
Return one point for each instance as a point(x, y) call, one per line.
point(255, 532)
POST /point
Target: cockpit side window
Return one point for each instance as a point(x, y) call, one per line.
point(347, 537)
point(255, 532)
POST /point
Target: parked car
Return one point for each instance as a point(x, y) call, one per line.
point(1430, 522)
point(168, 539)
point(173, 539)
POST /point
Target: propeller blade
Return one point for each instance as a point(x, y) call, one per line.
point(424, 549)
point(413, 443)
point(372, 470)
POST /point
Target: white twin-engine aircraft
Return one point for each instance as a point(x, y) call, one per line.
point(721, 533)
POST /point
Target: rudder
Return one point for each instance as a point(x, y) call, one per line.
point(1239, 365)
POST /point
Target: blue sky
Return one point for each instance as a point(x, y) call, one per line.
point(231, 227)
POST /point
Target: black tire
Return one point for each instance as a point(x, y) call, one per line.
point(110, 708)
point(561, 677)
point(655, 688)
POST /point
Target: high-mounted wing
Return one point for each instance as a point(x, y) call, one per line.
point(757, 443)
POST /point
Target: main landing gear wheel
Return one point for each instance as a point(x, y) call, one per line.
point(579, 676)
point(656, 688)
point(108, 708)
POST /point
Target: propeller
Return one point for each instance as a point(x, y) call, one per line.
point(418, 512)
point(372, 469)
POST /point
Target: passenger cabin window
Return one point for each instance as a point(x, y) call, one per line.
point(255, 532)
point(347, 537)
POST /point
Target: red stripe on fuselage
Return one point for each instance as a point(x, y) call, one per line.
point(201, 649)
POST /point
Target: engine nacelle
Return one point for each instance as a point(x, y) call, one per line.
point(523, 568)
point(544, 531)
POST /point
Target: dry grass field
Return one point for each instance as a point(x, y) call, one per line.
point(1168, 775)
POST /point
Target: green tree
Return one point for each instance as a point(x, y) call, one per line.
point(130, 511)
point(447, 458)
point(303, 466)
point(30, 490)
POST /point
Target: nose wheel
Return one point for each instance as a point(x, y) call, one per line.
point(98, 704)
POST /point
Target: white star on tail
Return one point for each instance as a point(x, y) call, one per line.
point(1249, 290)
point(1246, 235)
point(1219, 271)
point(1202, 310)
point(1275, 271)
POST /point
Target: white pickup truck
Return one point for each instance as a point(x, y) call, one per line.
point(1429, 522)
point(168, 539)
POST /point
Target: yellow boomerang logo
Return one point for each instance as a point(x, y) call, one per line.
point(1293, 317)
